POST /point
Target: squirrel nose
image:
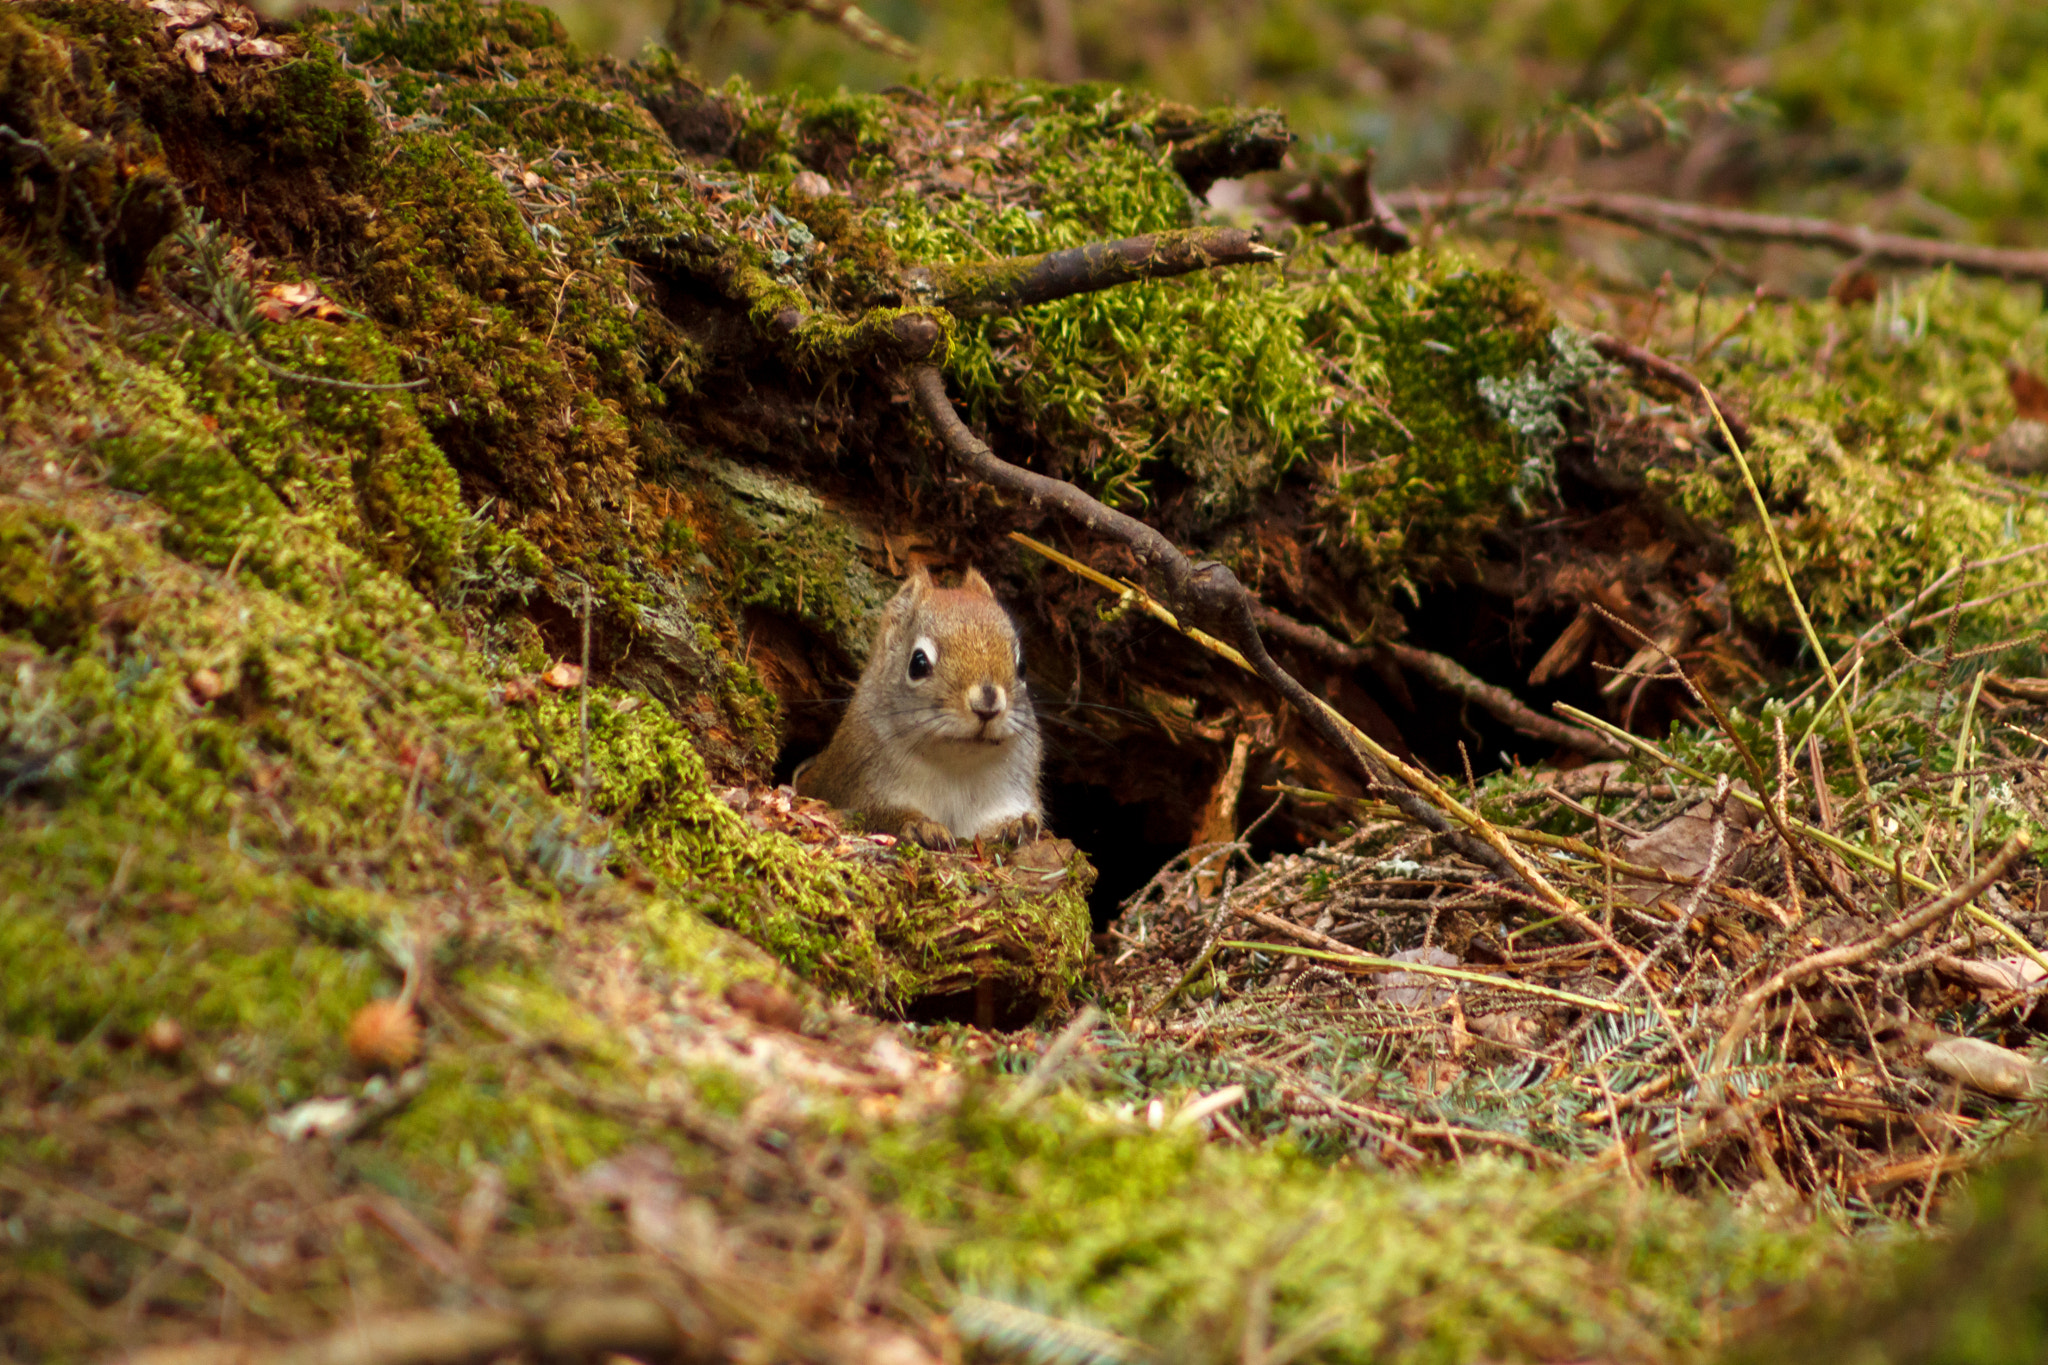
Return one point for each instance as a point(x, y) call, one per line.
point(986, 702)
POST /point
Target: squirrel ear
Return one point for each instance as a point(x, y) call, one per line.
point(917, 584)
point(973, 582)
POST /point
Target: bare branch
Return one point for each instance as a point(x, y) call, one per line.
point(1451, 677)
point(1255, 142)
point(1848, 955)
point(1202, 594)
point(1670, 372)
point(1682, 221)
point(1448, 676)
point(575, 1329)
point(975, 289)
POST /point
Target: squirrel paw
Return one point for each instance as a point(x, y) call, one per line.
point(1025, 829)
point(930, 833)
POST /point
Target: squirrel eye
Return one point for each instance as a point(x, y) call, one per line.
point(920, 665)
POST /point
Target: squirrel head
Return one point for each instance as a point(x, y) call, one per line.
point(950, 664)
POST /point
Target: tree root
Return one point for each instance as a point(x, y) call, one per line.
point(1203, 595)
point(1446, 675)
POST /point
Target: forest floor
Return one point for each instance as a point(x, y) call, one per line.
point(1548, 876)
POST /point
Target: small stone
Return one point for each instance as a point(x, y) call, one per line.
point(2021, 448)
point(165, 1037)
point(811, 185)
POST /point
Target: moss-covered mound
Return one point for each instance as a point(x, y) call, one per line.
point(348, 385)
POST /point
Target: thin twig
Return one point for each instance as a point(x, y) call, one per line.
point(1848, 955)
point(1682, 220)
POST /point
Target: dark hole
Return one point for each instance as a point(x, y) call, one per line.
point(994, 1009)
point(1127, 843)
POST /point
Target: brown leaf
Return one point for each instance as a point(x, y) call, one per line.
point(179, 14)
point(298, 299)
point(2021, 449)
point(2029, 392)
point(1683, 844)
point(1987, 1067)
point(194, 43)
point(563, 676)
point(1852, 287)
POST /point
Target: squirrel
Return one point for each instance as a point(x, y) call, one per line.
point(940, 743)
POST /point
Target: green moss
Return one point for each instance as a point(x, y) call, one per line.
point(461, 36)
point(46, 593)
point(1428, 464)
point(796, 556)
point(885, 934)
point(110, 922)
point(1195, 1248)
point(1861, 464)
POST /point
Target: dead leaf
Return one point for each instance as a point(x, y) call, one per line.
point(207, 685)
point(298, 299)
point(2021, 449)
point(193, 45)
point(2029, 392)
point(1852, 287)
point(1418, 990)
point(1682, 844)
point(563, 676)
point(183, 13)
point(1994, 976)
point(1988, 1068)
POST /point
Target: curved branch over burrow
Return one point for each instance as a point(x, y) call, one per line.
point(979, 288)
point(1447, 675)
point(1200, 593)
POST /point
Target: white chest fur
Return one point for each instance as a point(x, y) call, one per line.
point(969, 788)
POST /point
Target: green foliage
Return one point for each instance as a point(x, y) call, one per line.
point(1860, 461)
point(1430, 464)
point(1948, 98)
point(1206, 375)
point(883, 934)
point(1199, 1249)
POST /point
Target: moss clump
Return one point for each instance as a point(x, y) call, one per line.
point(1864, 465)
point(46, 593)
point(1199, 1249)
point(887, 933)
point(463, 36)
point(87, 178)
point(1429, 463)
point(795, 556)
